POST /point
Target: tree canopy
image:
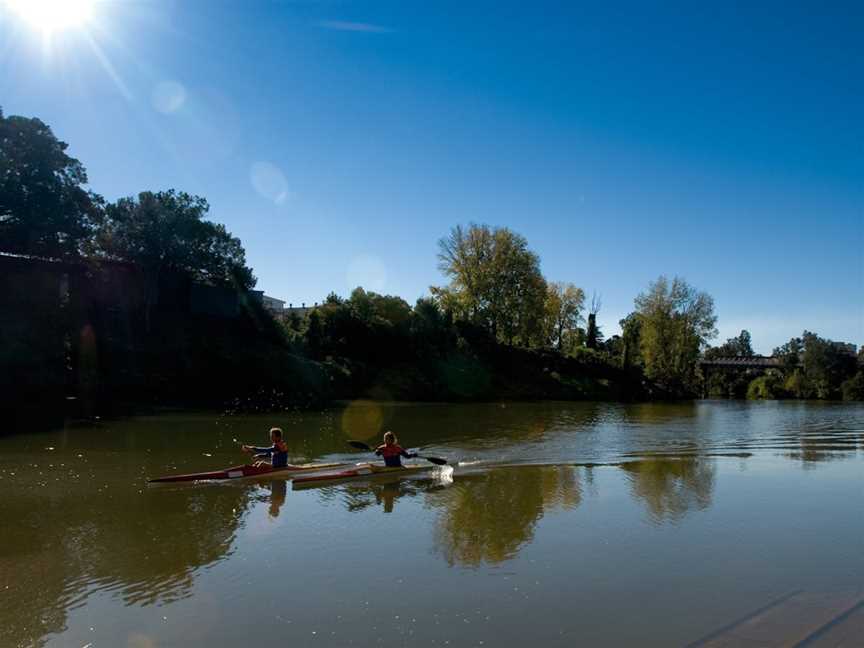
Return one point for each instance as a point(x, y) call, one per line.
point(676, 322)
point(564, 302)
point(166, 231)
point(736, 347)
point(495, 282)
point(45, 209)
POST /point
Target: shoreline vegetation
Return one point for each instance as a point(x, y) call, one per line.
point(109, 308)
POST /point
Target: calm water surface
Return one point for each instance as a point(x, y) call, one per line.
point(561, 524)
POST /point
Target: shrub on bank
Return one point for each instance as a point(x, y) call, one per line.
point(767, 387)
point(853, 389)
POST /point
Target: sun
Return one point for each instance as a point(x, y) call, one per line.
point(52, 15)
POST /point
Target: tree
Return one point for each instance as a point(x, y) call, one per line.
point(853, 389)
point(431, 328)
point(495, 282)
point(676, 323)
point(564, 303)
point(631, 329)
point(767, 387)
point(816, 367)
point(373, 308)
point(826, 366)
point(790, 352)
point(44, 208)
point(314, 334)
point(294, 321)
point(735, 382)
point(165, 232)
point(593, 336)
point(736, 347)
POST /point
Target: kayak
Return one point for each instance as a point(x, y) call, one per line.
point(358, 471)
point(240, 472)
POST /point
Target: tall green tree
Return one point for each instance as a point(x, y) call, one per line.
point(631, 334)
point(45, 208)
point(495, 282)
point(165, 232)
point(593, 334)
point(564, 303)
point(676, 323)
point(374, 308)
point(826, 366)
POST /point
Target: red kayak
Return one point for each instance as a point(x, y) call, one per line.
point(240, 472)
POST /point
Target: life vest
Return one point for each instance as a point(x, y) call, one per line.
point(280, 454)
point(394, 450)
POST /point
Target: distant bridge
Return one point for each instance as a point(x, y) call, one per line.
point(740, 362)
point(745, 362)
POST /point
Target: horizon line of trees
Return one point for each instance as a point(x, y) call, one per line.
point(812, 368)
point(495, 285)
point(47, 211)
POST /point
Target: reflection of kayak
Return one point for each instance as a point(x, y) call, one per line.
point(239, 472)
point(358, 471)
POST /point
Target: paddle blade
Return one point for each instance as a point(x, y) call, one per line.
point(438, 461)
point(360, 445)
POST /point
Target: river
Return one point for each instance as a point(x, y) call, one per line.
point(596, 524)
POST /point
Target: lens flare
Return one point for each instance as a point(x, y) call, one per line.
point(362, 420)
point(269, 181)
point(52, 15)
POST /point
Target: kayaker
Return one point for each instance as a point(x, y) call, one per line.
point(392, 451)
point(278, 452)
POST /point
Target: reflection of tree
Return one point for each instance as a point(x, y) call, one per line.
point(145, 546)
point(561, 487)
point(670, 487)
point(825, 445)
point(487, 518)
point(660, 413)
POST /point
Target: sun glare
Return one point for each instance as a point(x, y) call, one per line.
point(53, 15)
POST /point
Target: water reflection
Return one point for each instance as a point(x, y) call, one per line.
point(823, 442)
point(487, 518)
point(383, 493)
point(85, 523)
point(671, 486)
point(487, 515)
point(278, 489)
point(143, 547)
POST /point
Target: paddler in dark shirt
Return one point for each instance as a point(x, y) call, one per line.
point(392, 451)
point(278, 452)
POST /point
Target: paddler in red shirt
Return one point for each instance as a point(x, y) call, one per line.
point(392, 451)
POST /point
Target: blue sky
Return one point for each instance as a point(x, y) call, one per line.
point(341, 140)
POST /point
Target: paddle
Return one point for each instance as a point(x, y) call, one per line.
point(438, 461)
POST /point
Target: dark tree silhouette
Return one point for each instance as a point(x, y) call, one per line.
point(45, 209)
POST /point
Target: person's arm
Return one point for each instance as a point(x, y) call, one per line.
point(379, 450)
point(263, 452)
point(408, 455)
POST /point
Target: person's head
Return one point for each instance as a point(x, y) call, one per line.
point(389, 438)
point(275, 434)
